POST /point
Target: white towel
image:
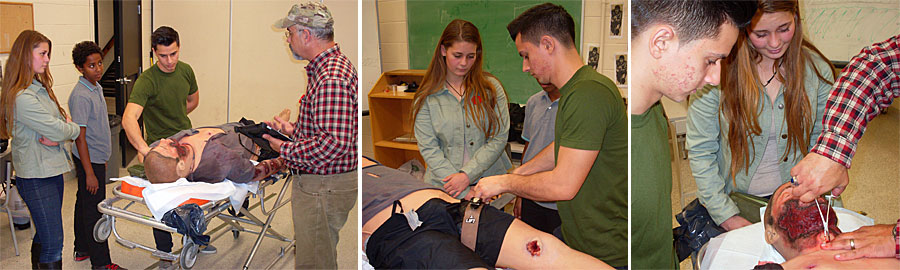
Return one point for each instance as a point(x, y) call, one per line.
point(160, 198)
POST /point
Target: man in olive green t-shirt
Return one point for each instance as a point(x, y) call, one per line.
point(164, 94)
point(585, 169)
point(674, 57)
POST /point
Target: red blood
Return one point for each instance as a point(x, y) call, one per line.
point(534, 248)
point(804, 221)
point(181, 148)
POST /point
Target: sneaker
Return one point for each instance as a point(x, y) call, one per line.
point(110, 266)
point(166, 265)
point(208, 249)
point(81, 256)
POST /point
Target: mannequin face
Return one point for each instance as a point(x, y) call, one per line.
point(180, 151)
point(797, 227)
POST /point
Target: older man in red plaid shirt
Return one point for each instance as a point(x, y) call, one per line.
point(870, 82)
point(322, 153)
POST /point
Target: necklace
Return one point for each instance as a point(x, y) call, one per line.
point(773, 75)
point(454, 88)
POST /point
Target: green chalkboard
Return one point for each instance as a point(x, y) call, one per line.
point(427, 20)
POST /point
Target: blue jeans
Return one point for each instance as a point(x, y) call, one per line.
point(43, 196)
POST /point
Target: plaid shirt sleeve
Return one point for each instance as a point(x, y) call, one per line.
point(897, 240)
point(333, 129)
point(868, 83)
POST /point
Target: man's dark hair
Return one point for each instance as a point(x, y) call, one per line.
point(165, 36)
point(82, 51)
point(544, 19)
point(692, 19)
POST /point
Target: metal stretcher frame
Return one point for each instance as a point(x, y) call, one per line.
point(187, 256)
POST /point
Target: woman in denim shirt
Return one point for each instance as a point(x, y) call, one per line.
point(30, 114)
point(747, 134)
point(461, 115)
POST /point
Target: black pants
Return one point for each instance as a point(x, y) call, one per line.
point(86, 214)
point(436, 243)
point(163, 240)
point(539, 217)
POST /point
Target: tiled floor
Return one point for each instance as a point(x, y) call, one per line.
point(232, 252)
point(874, 174)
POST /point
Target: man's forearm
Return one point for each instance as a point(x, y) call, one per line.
point(537, 187)
point(543, 161)
point(864, 87)
point(133, 132)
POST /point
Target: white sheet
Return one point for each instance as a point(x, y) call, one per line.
point(745, 247)
point(160, 198)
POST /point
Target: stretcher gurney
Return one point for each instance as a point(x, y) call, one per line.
point(187, 256)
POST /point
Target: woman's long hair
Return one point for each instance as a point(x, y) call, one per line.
point(18, 75)
point(740, 86)
point(479, 97)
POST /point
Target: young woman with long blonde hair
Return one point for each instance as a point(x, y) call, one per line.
point(31, 117)
point(461, 114)
point(746, 134)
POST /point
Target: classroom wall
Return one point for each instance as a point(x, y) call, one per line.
point(370, 70)
point(65, 23)
point(840, 29)
point(394, 42)
point(243, 64)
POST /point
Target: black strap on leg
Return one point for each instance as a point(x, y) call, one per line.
point(394, 208)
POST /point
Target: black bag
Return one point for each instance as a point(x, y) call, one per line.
point(188, 220)
point(516, 122)
point(696, 228)
point(255, 131)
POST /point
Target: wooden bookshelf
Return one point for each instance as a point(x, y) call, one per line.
point(390, 116)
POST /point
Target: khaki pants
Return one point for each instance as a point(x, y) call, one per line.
point(320, 204)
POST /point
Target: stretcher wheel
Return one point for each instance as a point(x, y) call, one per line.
point(236, 233)
point(102, 229)
point(188, 255)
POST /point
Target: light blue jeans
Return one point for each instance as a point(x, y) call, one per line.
point(43, 196)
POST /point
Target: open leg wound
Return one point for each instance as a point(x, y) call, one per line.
point(534, 247)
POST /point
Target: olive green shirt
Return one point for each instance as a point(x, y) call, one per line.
point(591, 116)
point(164, 98)
point(651, 185)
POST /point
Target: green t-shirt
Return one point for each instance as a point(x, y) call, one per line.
point(164, 98)
point(651, 185)
point(591, 116)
